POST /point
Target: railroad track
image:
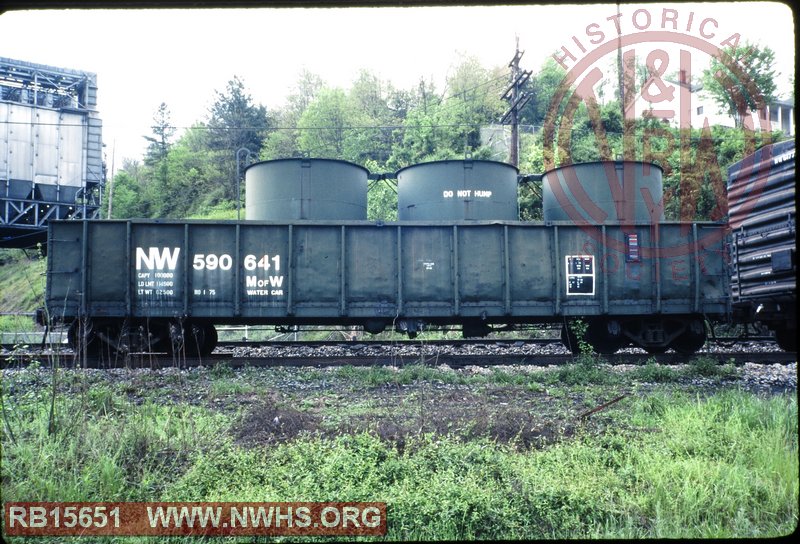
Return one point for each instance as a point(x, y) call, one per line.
point(225, 346)
point(454, 360)
point(448, 342)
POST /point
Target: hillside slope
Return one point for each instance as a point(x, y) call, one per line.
point(22, 281)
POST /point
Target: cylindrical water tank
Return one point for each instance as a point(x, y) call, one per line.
point(290, 189)
point(604, 192)
point(455, 190)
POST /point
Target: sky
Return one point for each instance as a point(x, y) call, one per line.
point(182, 56)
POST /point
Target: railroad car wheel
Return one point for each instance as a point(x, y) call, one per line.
point(95, 339)
point(475, 330)
point(786, 339)
point(211, 340)
point(692, 339)
point(605, 336)
point(194, 339)
point(153, 336)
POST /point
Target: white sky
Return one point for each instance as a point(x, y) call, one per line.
point(145, 57)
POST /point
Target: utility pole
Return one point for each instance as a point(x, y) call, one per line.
point(516, 101)
point(620, 69)
point(111, 181)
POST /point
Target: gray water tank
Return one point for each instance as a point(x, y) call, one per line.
point(291, 189)
point(455, 190)
point(603, 192)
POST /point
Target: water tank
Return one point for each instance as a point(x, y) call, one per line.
point(603, 192)
point(455, 190)
point(290, 189)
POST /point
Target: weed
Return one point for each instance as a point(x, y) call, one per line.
point(707, 367)
point(381, 376)
point(112, 451)
point(224, 388)
point(587, 370)
point(500, 460)
point(653, 372)
point(271, 421)
point(706, 471)
point(221, 371)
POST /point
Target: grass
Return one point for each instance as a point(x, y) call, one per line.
point(380, 376)
point(101, 447)
point(224, 210)
point(667, 462)
point(16, 323)
point(21, 290)
point(586, 370)
point(22, 281)
point(716, 468)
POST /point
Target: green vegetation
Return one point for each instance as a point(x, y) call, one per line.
point(113, 452)
point(15, 323)
point(501, 454)
point(22, 281)
point(732, 93)
point(715, 468)
point(22, 284)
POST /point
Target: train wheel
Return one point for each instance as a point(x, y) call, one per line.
point(211, 340)
point(475, 330)
point(153, 336)
point(786, 339)
point(692, 339)
point(375, 326)
point(194, 339)
point(605, 336)
point(96, 339)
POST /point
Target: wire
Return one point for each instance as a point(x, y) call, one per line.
point(531, 128)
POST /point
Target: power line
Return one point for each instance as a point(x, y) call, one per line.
point(534, 127)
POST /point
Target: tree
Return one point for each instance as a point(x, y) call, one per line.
point(282, 141)
point(449, 128)
point(354, 125)
point(304, 92)
point(234, 122)
point(378, 122)
point(416, 137)
point(159, 142)
point(325, 126)
point(155, 159)
point(128, 198)
point(474, 101)
point(741, 80)
point(193, 176)
point(542, 87)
